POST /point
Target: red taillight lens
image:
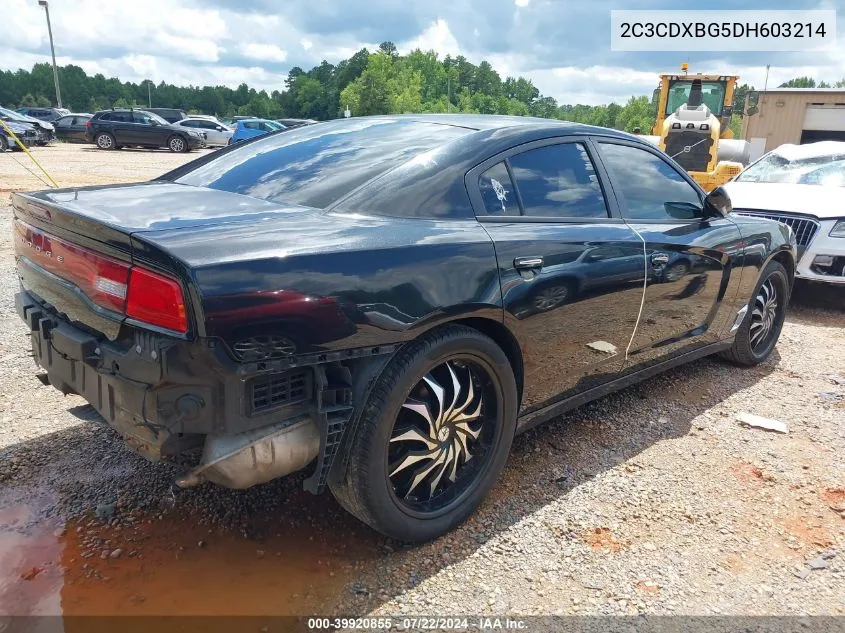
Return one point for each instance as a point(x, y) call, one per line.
point(136, 292)
point(155, 299)
point(102, 279)
point(88, 123)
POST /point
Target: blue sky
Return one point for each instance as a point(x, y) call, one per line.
point(562, 45)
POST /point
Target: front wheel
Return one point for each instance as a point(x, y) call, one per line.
point(177, 144)
point(433, 437)
point(104, 140)
point(760, 330)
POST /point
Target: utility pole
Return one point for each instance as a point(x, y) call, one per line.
point(766, 84)
point(43, 3)
point(149, 94)
point(448, 93)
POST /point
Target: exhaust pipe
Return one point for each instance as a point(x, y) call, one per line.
point(256, 457)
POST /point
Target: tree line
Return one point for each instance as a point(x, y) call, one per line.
point(378, 82)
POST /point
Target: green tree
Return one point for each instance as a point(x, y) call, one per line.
point(799, 82)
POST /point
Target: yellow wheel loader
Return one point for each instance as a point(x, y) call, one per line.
point(692, 126)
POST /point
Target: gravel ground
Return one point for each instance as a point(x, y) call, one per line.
point(653, 500)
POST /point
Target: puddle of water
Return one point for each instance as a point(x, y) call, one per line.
point(174, 566)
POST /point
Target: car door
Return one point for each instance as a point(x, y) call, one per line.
point(148, 133)
point(573, 314)
point(123, 127)
point(690, 257)
point(64, 128)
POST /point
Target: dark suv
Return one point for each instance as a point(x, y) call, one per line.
point(171, 115)
point(112, 129)
point(45, 114)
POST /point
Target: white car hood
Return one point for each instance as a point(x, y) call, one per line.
point(822, 202)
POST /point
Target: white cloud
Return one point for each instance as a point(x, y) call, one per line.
point(306, 44)
point(436, 37)
point(521, 3)
point(266, 52)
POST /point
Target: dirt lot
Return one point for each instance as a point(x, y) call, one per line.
point(654, 500)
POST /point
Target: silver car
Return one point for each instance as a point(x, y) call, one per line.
point(216, 134)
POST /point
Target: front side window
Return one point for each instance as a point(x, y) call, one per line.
point(497, 191)
point(649, 187)
point(558, 181)
point(66, 121)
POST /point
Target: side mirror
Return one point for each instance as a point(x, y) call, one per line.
point(682, 210)
point(153, 122)
point(220, 128)
point(718, 203)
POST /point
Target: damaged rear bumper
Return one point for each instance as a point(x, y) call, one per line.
point(169, 398)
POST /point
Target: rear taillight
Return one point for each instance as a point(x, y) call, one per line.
point(131, 290)
point(156, 299)
point(88, 123)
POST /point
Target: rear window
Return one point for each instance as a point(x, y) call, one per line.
point(317, 165)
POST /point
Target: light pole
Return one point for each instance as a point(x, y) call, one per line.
point(149, 94)
point(43, 3)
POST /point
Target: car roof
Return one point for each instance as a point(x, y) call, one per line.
point(819, 149)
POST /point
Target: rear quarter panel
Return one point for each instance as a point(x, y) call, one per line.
point(331, 281)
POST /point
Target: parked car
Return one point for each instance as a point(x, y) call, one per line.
point(378, 263)
point(216, 134)
point(802, 186)
point(113, 129)
point(24, 131)
point(45, 114)
point(250, 128)
point(44, 131)
point(292, 123)
point(171, 115)
point(73, 128)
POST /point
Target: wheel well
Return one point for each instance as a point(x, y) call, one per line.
point(504, 339)
point(785, 260)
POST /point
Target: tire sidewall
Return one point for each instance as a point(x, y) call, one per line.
point(392, 517)
point(778, 274)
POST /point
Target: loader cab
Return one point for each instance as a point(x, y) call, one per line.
point(717, 92)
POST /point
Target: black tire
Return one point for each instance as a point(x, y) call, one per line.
point(676, 271)
point(104, 140)
point(746, 350)
point(367, 490)
point(178, 144)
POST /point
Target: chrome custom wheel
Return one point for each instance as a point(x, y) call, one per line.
point(764, 313)
point(442, 436)
point(433, 436)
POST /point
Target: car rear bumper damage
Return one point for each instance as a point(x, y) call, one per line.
point(236, 425)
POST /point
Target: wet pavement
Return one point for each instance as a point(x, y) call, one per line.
point(169, 565)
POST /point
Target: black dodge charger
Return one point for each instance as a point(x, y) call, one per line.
point(387, 301)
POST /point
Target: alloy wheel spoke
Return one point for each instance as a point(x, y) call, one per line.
point(423, 472)
point(413, 457)
point(439, 393)
point(415, 435)
point(423, 409)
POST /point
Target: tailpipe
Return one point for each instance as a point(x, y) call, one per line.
point(256, 457)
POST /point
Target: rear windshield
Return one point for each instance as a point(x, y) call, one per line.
point(316, 165)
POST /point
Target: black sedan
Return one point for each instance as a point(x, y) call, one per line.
point(72, 128)
point(387, 301)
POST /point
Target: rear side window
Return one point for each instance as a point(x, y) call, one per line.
point(497, 191)
point(558, 181)
point(316, 165)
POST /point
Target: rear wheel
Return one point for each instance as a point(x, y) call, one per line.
point(104, 140)
point(433, 437)
point(759, 332)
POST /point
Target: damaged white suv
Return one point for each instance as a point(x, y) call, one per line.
point(802, 186)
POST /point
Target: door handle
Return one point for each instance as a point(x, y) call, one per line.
point(527, 263)
point(659, 259)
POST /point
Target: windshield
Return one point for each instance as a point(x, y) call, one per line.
point(316, 165)
point(274, 125)
point(712, 95)
point(828, 171)
point(11, 114)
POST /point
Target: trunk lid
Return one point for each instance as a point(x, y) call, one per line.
point(110, 214)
